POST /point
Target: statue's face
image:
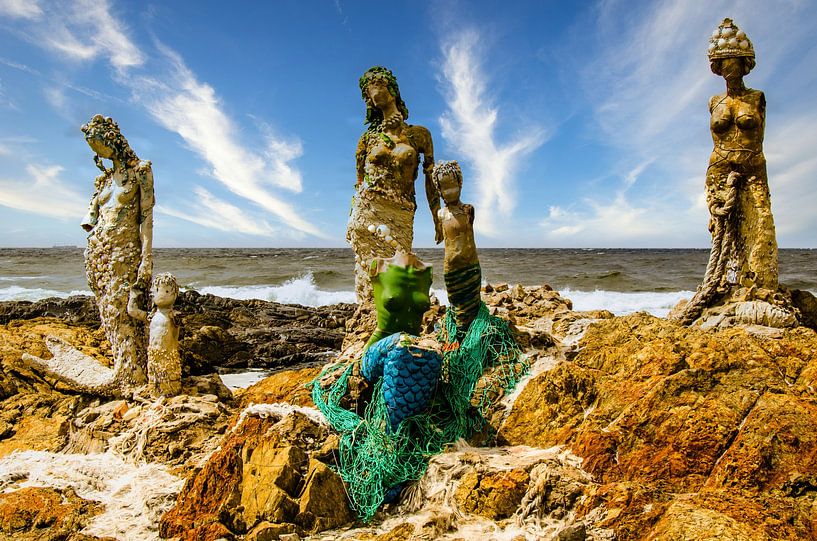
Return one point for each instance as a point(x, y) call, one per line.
point(102, 149)
point(449, 188)
point(378, 92)
point(163, 295)
point(732, 69)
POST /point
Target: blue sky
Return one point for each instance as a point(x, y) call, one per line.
point(577, 124)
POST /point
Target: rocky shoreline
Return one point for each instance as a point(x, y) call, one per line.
point(627, 428)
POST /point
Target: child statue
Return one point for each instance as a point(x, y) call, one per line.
point(461, 270)
point(164, 367)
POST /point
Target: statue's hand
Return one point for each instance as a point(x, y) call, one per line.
point(133, 302)
point(438, 233)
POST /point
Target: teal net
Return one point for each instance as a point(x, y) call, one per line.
point(373, 458)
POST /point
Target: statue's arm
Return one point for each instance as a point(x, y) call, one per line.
point(134, 310)
point(360, 158)
point(92, 216)
point(424, 144)
point(146, 202)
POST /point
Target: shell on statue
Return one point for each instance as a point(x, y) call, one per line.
point(729, 41)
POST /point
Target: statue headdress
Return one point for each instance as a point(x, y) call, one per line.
point(106, 129)
point(729, 41)
point(443, 168)
point(374, 118)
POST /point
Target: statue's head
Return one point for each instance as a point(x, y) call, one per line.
point(377, 85)
point(447, 177)
point(165, 289)
point(103, 136)
point(730, 49)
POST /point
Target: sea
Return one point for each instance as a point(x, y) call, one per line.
point(620, 280)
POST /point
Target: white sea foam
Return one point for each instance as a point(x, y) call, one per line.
point(17, 293)
point(135, 495)
point(301, 290)
point(621, 302)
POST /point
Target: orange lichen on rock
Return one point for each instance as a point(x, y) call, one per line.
point(670, 409)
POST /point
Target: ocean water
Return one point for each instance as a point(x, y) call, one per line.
point(620, 280)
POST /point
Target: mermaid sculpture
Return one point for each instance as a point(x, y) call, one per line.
point(742, 272)
point(164, 367)
point(387, 158)
point(463, 277)
point(118, 264)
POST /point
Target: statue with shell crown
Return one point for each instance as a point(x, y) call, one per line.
point(741, 280)
point(118, 264)
point(381, 220)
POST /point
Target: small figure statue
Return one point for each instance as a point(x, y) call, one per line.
point(164, 365)
point(118, 263)
point(743, 263)
point(463, 277)
point(387, 158)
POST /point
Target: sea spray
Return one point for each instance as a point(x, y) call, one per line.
point(135, 496)
point(622, 303)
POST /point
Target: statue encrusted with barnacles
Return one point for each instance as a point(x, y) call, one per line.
point(118, 264)
point(164, 367)
point(741, 280)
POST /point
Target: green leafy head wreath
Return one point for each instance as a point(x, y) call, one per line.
point(106, 130)
point(374, 116)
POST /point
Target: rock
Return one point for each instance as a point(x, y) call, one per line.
point(656, 409)
point(323, 502)
point(683, 521)
point(256, 475)
point(267, 531)
point(215, 331)
point(494, 495)
point(577, 532)
point(44, 514)
point(806, 303)
point(288, 386)
point(178, 432)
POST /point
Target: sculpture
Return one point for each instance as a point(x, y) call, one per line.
point(463, 277)
point(401, 293)
point(387, 158)
point(164, 367)
point(118, 264)
point(743, 264)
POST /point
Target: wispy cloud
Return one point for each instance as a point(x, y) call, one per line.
point(42, 193)
point(210, 211)
point(193, 110)
point(648, 84)
point(20, 9)
point(470, 124)
point(176, 99)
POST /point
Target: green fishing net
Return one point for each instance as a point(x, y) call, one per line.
point(373, 459)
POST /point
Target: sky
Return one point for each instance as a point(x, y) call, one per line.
point(577, 124)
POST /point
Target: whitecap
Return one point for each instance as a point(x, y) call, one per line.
point(621, 303)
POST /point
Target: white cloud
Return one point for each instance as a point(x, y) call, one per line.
point(43, 193)
point(83, 30)
point(171, 93)
point(192, 109)
point(217, 214)
point(469, 125)
point(20, 9)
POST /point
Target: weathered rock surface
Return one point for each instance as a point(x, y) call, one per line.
point(726, 417)
point(215, 331)
point(269, 470)
point(45, 514)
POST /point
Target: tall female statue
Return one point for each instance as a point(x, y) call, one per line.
point(743, 263)
point(388, 155)
point(118, 264)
